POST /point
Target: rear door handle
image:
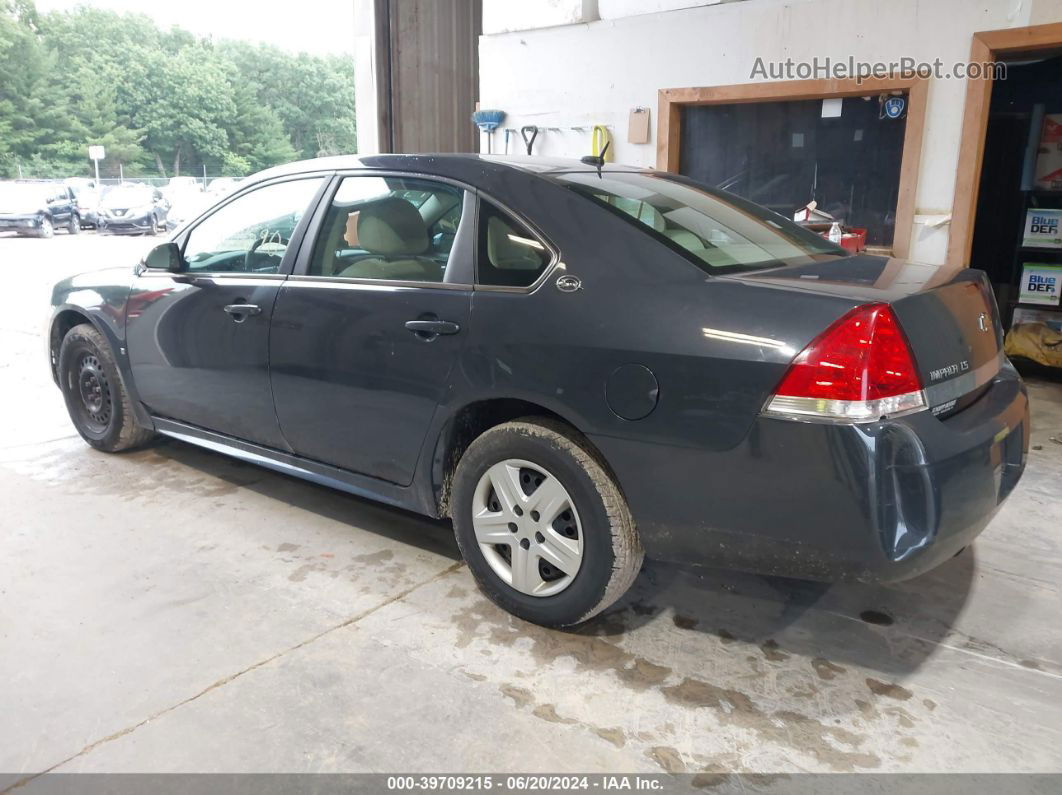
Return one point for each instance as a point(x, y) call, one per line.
point(241, 312)
point(432, 328)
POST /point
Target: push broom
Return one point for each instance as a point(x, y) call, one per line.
point(488, 121)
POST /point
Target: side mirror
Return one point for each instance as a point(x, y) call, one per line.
point(164, 257)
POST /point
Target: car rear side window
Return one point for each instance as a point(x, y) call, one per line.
point(389, 228)
point(717, 232)
point(251, 233)
point(509, 254)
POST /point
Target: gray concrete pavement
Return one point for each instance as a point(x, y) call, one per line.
point(172, 610)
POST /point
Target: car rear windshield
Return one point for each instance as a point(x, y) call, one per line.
point(715, 231)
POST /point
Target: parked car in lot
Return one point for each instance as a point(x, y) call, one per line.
point(133, 209)
point(221, 186)
point(575, 363)
point(37, 209)
point(187, 199)
point(88, 195)
point(179, 184)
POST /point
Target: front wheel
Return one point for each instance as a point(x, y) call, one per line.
point(95, 395)
point(542, 525)
point(45, 228)
point(74, 226)
point(155, 227)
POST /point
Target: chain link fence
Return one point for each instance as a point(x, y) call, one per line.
point(158, 182)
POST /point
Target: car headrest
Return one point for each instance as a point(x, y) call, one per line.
point(392, 226)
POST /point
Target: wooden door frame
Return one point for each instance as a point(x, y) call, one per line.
point(987, 46)
point(673, 100)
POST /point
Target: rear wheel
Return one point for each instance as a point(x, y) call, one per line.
point(74, 226)
point(95, 395)
point(542, 525)
point(155, 227)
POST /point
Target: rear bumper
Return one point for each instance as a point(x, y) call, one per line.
point(877, 502)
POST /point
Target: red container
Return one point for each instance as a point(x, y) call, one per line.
point(854, 240)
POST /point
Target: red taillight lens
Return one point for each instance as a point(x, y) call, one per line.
point(860, 368)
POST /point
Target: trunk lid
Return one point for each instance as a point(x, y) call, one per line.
point(948, 314)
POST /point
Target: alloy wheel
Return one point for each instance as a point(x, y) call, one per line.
point(527, 527)
point(46, 228)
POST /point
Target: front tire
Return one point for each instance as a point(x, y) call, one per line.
point(95, 394)
point(74, 225)
point(574, 550)
point(45, 229)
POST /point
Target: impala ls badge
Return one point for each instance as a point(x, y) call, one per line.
point(569, 284)
point(982, 322)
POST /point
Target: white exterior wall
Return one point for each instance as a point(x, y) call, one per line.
point(594, 72)
point(365, 110)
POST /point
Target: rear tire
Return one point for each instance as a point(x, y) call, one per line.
point(594, 534)
point(95, 395)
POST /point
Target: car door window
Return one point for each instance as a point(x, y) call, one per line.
point(251, 233)
point(390, 229)
point(509, 254)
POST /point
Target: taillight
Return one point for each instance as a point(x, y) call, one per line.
point(859, 370)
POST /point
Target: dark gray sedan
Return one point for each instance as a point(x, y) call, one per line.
point(574, 363)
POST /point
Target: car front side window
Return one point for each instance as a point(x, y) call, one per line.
point(251, 233)
point(388, 228)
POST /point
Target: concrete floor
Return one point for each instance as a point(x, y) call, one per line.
point(172, 610)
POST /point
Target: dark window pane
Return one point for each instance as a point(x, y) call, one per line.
point(510, 255)
point(784, 154)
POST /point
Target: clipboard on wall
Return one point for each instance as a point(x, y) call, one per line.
point(638, 126)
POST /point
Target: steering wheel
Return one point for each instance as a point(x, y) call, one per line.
point(248, 258)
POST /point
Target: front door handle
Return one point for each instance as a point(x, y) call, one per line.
point(430, 329)
point(240, 312)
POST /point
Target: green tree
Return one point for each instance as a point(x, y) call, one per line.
point(313, 97)
point(162, 100)
point(181, 103)
point(256, 134)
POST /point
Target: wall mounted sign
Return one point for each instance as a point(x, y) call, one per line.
point(893, 107)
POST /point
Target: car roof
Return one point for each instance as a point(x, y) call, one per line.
point(467, 166)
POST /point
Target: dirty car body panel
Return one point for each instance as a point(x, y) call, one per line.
point(664, 366)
